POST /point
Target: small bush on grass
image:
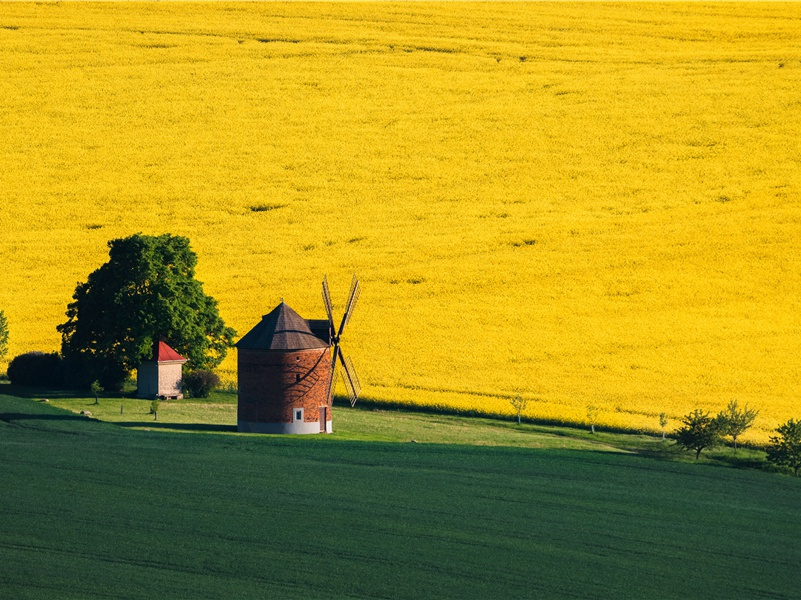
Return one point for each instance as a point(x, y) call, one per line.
point(199, 384)
point(36, 368)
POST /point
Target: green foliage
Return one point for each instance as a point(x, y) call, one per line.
point(663, 421)
point(592, 416)
point(785, 448)
point(733, 421)
point(96, 388)
point(146, 292)
point(398, 518)
point(154, 408)
point(36, 369)
point(519, 404)
point(699, 431)
point(199, 384)
point(3, 335)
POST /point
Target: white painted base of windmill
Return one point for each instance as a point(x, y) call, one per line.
point(293, 428)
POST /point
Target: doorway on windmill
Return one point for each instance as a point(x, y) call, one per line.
point(323, 418)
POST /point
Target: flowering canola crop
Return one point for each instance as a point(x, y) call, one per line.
point(588, 205)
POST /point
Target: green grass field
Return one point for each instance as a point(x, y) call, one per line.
point(377, 423)
point(95, 510)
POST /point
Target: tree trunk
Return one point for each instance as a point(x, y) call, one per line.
point(698, 453)
point(592, 428)
point(518, 418)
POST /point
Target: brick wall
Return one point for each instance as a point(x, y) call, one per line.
point(273, 383)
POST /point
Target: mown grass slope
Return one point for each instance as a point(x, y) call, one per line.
point(93, 510)
point(587, 204)
point(379, 423)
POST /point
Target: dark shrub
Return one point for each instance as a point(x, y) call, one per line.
point(199, 384)
point(36, 368)
point(81, 370)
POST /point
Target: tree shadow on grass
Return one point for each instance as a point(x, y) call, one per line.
point(24, 391)
point(208, 427)
point(13, 417)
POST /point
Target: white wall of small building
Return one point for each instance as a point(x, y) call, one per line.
point(170, 375)
point(159, 379)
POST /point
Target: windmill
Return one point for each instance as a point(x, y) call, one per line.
point(348, 375)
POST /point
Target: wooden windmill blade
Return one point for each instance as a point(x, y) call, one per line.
point(350, 378)
point(354, 379)
point(329, 307)
point(355, 291)
point(332, 381)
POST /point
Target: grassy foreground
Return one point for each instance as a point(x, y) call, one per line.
point(95, 510)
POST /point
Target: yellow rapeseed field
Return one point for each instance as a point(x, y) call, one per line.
point(586, 204)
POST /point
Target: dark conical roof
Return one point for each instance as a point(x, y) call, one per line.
point(281, 329)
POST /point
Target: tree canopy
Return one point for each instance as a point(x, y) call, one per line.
point(733, 421)
point(785, 449)
point(519, 404)
point(699, 431)
point(146, 292)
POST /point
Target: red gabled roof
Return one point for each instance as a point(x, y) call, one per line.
point(163, 353)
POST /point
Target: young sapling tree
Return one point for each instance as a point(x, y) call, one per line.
point(3, 334)
point(96, 388)
point(519, 404)
point(663, 421)
point(592, 415)
point(733, 421)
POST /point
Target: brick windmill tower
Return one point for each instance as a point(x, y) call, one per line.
point(287, 367)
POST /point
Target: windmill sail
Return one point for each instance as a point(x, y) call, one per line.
point(332, 382)
point(329, 308)
point(348, 372)
point(353, 296)
point(351, 380)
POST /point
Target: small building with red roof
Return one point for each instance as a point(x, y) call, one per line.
point(160, 377)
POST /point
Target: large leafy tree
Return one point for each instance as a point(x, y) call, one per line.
point(146, 292)
point(785, 449)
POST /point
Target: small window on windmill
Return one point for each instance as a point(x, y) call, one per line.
point(299, 414)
